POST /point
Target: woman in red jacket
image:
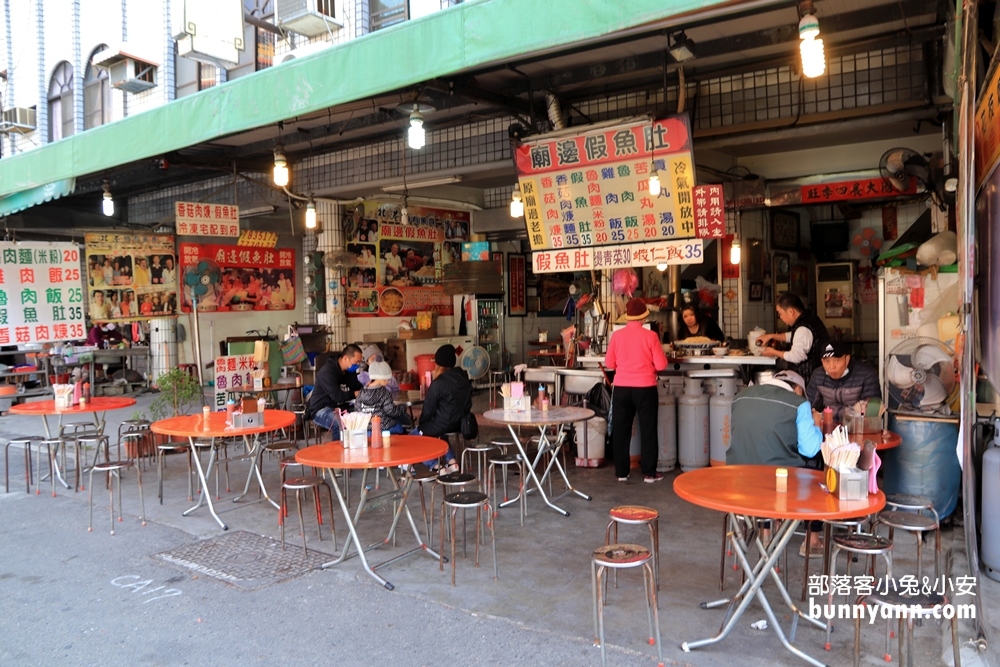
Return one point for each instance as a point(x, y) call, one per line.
point(635, 354)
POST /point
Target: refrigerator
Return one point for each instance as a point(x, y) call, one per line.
point(483, 317)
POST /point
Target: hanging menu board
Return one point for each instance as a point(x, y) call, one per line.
point(592, 188)
point(41, 293)
point(396, 269)
point(237, 278)
point(131, 277)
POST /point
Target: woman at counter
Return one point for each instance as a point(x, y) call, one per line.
point(695, 324)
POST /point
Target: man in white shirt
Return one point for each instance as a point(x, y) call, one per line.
point(808, 336)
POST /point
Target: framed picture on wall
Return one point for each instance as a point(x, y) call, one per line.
point(799, 280)
point(785, 230)
point(756, 291)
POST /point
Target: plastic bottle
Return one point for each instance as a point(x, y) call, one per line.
point(542, 400)
point(77, 392)
point(86, 390)
point(205, 415)
point(376, 432)
point(827, 420)
point(261, 404)
point(230, 409)
point(386, 438)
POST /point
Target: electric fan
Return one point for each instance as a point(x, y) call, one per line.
point(921, 377)
point(868, 242)
point(476, 362)
point(201, 281)
point(339, 259)
point(899, 165)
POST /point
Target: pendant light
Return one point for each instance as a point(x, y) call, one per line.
point(416, 137)
point(280, 175)
point(311, 214)
point(734, 251)
point(516, 205)
point(811, 46)
point(654, 182)
point(108, 205)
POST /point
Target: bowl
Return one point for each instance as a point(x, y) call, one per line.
point(720, 351)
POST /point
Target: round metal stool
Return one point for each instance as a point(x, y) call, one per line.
point(465, 500)
point(277, 447)
point(905, 608)
point(26, 444)
point(505, 461)
point(479, 452)
point(617, 557)
point(420, 478)
point(299, 410)
point(298, 485)
point(114, 469)
point(137, 442)
point(856, 525)
point(502, 444)
point(918, 524)
point(97, 442)
point(637, 515)
point(162, 450)
point(862, 544)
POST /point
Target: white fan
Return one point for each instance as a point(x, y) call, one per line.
point(475, 361)
point(922, 377)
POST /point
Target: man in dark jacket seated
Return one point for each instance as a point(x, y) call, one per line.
point(841, 382)
point(448, 400)
point(336, 385)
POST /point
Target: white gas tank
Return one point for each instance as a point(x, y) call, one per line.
point(720, 410)
point(692, 426)
point(666, 427)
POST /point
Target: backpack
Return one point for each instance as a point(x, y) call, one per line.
point(470, 427)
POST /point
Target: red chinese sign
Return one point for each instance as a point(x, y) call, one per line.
point(194, 219)
point(238, 278)
point(986, 134)
point(688, 251)
point(709, 212)
point(863, 188)
point(517, 289)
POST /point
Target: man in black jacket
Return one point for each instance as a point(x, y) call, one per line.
point(808, 336)
point(448, 399)
point(336, 385)
point(841, 382)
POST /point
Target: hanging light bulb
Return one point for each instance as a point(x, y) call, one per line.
point(734, 251)
point(311, 214)
point(516, 205)
point(404, 215)
point(813, 58)
point(654, 182)
point(280, 168)
point(108, 204)
point(662, 267)
point(415, 136)
point(808, 27)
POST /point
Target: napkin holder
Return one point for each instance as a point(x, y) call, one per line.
point(520, 404)
point(248, 419)
point(847, 483)
point(63, 396)
point(356, 439)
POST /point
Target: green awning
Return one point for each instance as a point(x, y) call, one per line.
point(466, 36)
point(18, 201)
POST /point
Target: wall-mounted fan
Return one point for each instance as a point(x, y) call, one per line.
point(339, 259)
point(867, 241)
point(921, 377)
point(900, 166)
point(475, 361)
point(201, 281)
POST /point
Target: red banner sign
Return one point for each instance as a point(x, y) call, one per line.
point(238, 278)
point(864, 188)
point(709, 211)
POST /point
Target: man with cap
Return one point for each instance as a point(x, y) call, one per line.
point(635, 354)
point(448, 400)
point(841, 382)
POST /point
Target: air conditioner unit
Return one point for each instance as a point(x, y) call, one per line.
point(300, 52)
point(307, 17)
point(127, 72)
point(18, 119)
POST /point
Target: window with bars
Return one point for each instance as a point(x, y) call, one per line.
point(385, 13)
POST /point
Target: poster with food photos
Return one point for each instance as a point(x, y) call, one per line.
point(238, 278)
point(41, 293)
point(131, 276)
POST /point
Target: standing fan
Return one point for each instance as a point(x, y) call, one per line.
point(476, 362)
point(922, 377)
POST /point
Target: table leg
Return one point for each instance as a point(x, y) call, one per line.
point(530, 466)
point(555, 450)
point(255, 452)
point(205, 493)
point(400, 510)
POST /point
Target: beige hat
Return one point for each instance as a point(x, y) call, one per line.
point(379, 370)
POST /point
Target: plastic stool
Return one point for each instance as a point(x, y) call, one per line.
point(505, 461)
point(637, 515)
point(906, 606)
point(617, 557)
point(467, 500)
point(299, 484)
point(114, 468)
point(161, 451)
point(26, 443)
point(862, 544)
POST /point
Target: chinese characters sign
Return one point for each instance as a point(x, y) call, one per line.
point(41, 293)
point(689, 251)
point(231, 372)
point(207, 219)
point(986, 134)
point(709, 214)
point(593, 189)
point(239, 278)
point(863, 188)
point(258, 239)
point(131, 277)
point(517, 287)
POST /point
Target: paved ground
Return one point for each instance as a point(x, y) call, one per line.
point(71, 597)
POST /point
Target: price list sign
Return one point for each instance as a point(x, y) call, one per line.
point(231, 372)
point(592, 189)
point(41, 293)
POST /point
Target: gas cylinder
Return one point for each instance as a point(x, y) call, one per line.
point(991, 512)
point(720, 419)
point(692, 429)
point(666, 427)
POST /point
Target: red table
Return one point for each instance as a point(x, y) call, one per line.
point(404, 450)
point(194, 427)
point(882, 439)
point(749, 491)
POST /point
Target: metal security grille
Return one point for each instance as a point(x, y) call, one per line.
point(497, 197)
point(159, 206)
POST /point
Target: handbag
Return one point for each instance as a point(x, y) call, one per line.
point(470, 427)
point(292, 351)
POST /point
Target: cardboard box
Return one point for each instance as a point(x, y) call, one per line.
point(418, 334)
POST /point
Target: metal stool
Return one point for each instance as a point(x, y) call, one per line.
point(497, 378)
point(138, 444)
point(450, 483)
point(299, 410)
point(114, 468)
point(478, 452)
point(502, 444)
point(426, 476)
point(299, 484)
point(637, 515)
point(55, 446)
point(862, 544)
point(97, 442)
point(162, 450)
point(505, 461)
point(467, 500)
point(905, 606)
point(852, 525)
point(617, 557)
point(907, 517)
point(137, 425)
point(26, 443)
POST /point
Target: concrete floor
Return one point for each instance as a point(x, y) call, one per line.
point(55, 578)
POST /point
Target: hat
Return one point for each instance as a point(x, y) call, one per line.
point(379, 370)
point(636, 310)
point(371, 351)
point(835, 349)
point(445, 356)
point(790, 378)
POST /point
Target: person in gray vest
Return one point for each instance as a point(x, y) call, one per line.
point(808, 336)
point(773, 425)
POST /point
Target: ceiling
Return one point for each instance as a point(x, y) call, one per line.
point(751, 36)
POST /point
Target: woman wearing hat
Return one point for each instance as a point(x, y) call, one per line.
point(635, 354)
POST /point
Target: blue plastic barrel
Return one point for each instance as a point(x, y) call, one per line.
point(925, 463)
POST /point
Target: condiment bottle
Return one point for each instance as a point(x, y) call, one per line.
point(205, 414)
point(230, 409)
point(376, 442)
point(86, 390)
point(781, 480)
point(386, 438)
point(77, 392)
point(261, 404)
point(827, 420)
point(543, 403)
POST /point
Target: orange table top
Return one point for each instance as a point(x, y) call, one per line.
point(193, 426)
point(404, 450)
point(96, 404)
point(536, 417)
point(750, 490)
point(883, 439)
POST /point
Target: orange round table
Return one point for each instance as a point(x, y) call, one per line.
point(882, 439)
point(743, 491)
point(404, 450)
point(194, 427)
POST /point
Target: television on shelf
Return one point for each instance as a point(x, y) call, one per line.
point(829, 237)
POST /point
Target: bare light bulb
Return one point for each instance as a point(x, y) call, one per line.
point(813, 57)
point(280, 175)
point(108, 205)
point(416, 137)
point(311, 215)
point(662, 267)
point(734, 252)
point(654, 183)
point(516, 205)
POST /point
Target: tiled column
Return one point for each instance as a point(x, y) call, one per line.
point(331, 239)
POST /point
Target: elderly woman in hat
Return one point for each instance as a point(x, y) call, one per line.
point(635, 354)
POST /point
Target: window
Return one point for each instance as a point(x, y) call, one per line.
point(385, 13)
point(61, 102)
point(207, 76)
point(264, 39)
point(96, 94)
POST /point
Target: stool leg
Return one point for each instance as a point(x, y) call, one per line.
point(27, 471)
point(333, 525)
point(302, 524)
point(857, 639)
point(955, 649)
point(281, 515)
point(920, 556)
point(600, 612)
point(654, 533)
point(653, 603)
point(111, 497)
point(142, 502)
point(159, 474)
point(493, 540)
point(90, 502)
